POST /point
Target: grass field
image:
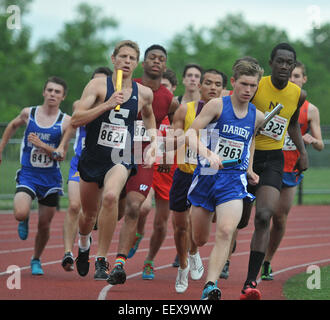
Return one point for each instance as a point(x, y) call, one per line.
point(304, 286)
point(316, 181)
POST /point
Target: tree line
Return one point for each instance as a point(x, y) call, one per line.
point(80, 47)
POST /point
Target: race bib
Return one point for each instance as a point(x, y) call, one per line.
point(112, 136)
point(229, 149)
point(140, 132)
point(40, 159)
point(190, 156)
point(288, 144)
point(275, 127)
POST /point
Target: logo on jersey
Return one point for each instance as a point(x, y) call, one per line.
point(143, 187)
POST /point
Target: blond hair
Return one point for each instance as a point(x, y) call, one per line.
point(247, 66)
point(127, 43)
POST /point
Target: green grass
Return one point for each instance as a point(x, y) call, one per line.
point(296, 288)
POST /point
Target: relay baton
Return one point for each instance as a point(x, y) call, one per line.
point(119, 85)
point(272, 114)
point(228, 163)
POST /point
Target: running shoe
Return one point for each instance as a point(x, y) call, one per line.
point(117, 275)
point(36, 268)
point(82, 261)
point(181, 283)
point(101, 269)
point(68, 261)
point(148, 272)
point(132, 251)
point(266, 272)
point(23, 229)
point(211, 292)
point(250, 291)
point(196, 266)
point(176, 263)
point(225, 271)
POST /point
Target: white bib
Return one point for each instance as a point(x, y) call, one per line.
point(113, 136)
point(140, 132)
point(275, 127)
point(229, 149)
point(40, 159)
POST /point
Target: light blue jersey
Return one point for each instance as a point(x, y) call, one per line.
point(33, 157)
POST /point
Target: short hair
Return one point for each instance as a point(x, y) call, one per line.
point(302, 67)
point(127, 43)
point(170, 76)
point(247, 66)
point(215, 71)
point(59, 81)
point(191, 65)
point(105, 70)
point(154, 47)
point(283, 46)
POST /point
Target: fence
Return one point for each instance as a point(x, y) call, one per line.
point(11, 154)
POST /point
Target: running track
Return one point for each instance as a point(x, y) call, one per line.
point(307, 242)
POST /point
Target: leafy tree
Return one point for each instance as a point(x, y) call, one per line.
point(20, 80)
point(77, 50)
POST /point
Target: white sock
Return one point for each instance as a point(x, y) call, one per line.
point(84, 242)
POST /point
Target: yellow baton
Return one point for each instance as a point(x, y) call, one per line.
point(119, 84)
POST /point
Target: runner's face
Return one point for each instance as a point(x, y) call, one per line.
point(155, 63)
point(192, 79)
point(125, 60)
point(53, 94)
point(297, 77)
point(211, 87)
point(282, 65)
point(166, 83)
point(245, 87)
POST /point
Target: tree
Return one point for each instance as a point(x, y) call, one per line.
point(17, 62)
point(78, 50)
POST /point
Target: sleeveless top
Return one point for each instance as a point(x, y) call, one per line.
point(266, 99)
point(112, 130)
point(290, 152)
point(187, 158)
point(79, 142)
point(230, 137)
point(33, 157)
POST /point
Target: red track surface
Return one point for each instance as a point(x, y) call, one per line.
point(307, 242)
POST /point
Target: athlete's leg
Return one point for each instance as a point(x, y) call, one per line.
point(279, 221)
point(114, 182)
point(22, 205)
point(228, 216)
point(70, 226)
point(144, 211)
point(162, 213)
point(46, 215)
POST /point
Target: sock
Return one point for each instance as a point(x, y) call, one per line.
point(84, 242)
point(209, 283)
point(266, 265)
point(100, 257)
point(120, 260)
point(255, 262)
point(149, 262)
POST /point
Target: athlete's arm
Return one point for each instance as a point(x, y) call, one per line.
point(212, 110)
point(87, 109)
point(12, 127)
point(172, 109)
point(315, 138)
point(252, 177)
point(295, 134)
point(69, 132)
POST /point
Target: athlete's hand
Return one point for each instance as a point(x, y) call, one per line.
point(302, 163)
point(308, 139)
point(116, 99)
point(215, 161)
point(34, 139)
point(252, 177)
point(59, 154)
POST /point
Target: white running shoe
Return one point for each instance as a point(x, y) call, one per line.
point(181, 283)
point(196, 266)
